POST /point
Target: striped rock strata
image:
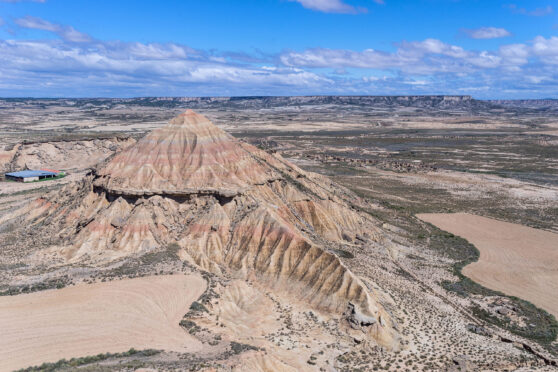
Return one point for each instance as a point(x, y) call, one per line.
point(188, 156)
point(229, 206)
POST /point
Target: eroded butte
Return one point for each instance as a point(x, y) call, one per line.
point(234, 211)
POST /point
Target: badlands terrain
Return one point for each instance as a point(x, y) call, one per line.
point(280, 234)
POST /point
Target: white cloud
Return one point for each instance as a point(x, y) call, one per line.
point(137, 67)
point(538, 12)
point(485, 59)
point(322, 57)
point(416, 82)
point(429, 56)
point(514, 54)
point(546, 49)
point(330, 6)
point(159, 51)
point(424, 56)
point(487, 33)
point(434, 46)
point(36, 23)
point(67, 33)
point(79, 65)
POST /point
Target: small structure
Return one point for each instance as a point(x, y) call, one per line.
point(31, 175)
point(52, 170)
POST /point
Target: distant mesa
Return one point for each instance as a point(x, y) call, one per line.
point(228, 206)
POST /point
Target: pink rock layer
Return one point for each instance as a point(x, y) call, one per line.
point(190, 155)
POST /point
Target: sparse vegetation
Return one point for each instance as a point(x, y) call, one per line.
point(54, 283)
point(540, 326)
point(74, 363)
point(238, 347)
point(343, 253)
point(196, 307)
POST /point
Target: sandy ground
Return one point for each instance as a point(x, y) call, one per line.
point(515, 259)
point(96, 318)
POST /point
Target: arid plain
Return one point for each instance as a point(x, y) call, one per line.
point(303, 227)
point(514, 259)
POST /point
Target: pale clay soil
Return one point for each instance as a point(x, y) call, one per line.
point(140, 313)
point(514, 259)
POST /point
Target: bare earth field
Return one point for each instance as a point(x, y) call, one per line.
point(514, 259)
point(141, 313)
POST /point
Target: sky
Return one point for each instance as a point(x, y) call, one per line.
point(488, 49)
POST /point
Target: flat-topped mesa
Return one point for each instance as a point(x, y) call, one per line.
point(190, 155)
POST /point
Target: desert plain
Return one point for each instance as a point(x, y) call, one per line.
point(280, 234)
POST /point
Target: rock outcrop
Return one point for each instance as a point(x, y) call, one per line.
point(68, 155)
point(228, 205)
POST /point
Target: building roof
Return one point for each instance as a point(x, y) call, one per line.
point(31, 173)
point(50, 170)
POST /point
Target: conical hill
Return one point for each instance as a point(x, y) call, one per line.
point(228, 206)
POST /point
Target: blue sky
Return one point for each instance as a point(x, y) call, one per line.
point(74, 48)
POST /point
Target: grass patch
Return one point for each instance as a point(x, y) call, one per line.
point(543, 329)
point(42, 190)
point(196, 307)
point(190, 326)
point(55, 283)
point(144, 264)
point(343, 253)
point(237, 347)
point(71, 364)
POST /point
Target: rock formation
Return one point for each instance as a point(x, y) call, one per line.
point(68, 155)
point(229, 206)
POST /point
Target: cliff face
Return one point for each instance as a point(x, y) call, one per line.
point(541, 105)
point(422, 101)
point(229, 206)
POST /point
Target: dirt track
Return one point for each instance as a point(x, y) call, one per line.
point(103, 317)
point(515, 259)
